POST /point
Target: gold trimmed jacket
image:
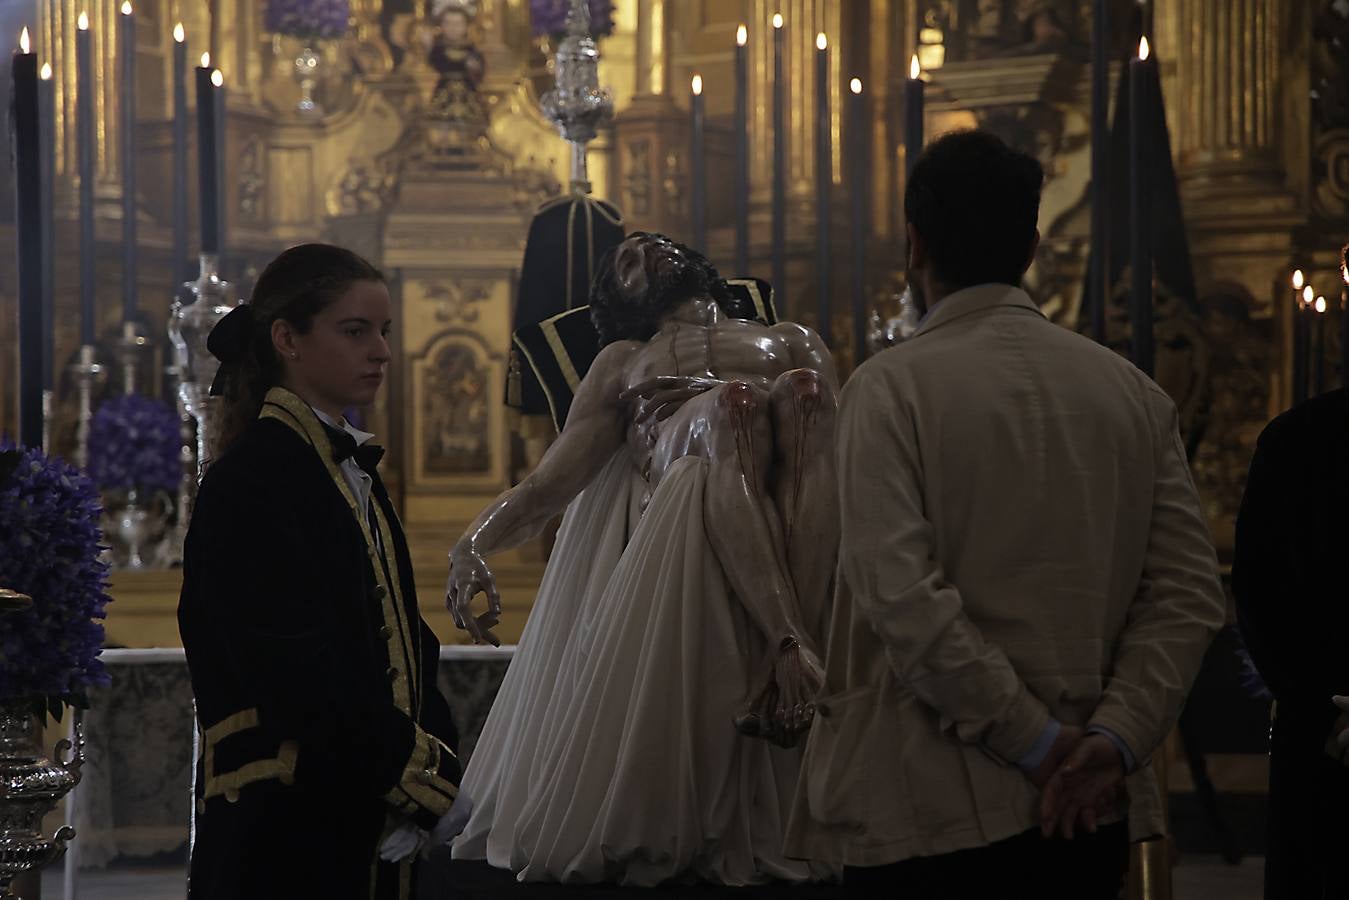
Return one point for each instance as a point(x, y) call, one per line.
point(313, 671)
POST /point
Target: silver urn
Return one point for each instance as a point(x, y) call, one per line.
point(30, 787)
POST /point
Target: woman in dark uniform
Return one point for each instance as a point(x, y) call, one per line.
point(328, 753)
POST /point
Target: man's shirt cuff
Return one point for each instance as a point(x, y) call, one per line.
point(1040, 749)
point(1118, 741)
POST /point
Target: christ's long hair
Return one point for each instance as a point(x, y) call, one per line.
point(620, 318)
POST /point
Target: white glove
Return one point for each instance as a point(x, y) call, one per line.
point(450, 824)
point(404, 841)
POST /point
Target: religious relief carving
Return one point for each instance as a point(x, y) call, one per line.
point(1236, 403)
point(457, 301)
point(252, 182)
point(637, 182)
point(964, 30)
point(1330, 109)
point(672, 182)
point(364, 188)
point(454, 411)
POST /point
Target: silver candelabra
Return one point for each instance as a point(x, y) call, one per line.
point(190, 322)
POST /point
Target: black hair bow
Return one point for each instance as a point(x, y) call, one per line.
point(228, 342)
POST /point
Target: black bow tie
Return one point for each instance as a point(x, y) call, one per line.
point(344, 447)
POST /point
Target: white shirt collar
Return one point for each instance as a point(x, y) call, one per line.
point(343, 425)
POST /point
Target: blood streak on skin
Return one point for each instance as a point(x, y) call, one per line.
point(805, 408)
point(738, 398)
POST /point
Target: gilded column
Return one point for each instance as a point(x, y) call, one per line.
point(58, 26)
point(1230, 102)
point(653, 48)
point(1227, 80)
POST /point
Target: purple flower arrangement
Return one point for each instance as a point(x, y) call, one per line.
point(308, 18)
point(134, 443)
point(49, 549)
point(549, 17)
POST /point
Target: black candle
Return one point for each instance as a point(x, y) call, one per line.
point(1140, 259)
point(913, 115)
point(698, 163)
point(779, 215)
point(27, 144)
point(741, 151)
point(84, 150)
point(1097, 288)
point(824, 179)
point(46, 90)
point(1344, 321)
point(179, 270)
point(858, 189)
point(126, 33)
point(1302, 298)
point(208, 186)
point(1302, 358)
point(1319, 348)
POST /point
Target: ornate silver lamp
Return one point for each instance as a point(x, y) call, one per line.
point(190, 321)
point(577, 105)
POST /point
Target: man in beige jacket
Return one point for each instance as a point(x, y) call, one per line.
point(1026, 583)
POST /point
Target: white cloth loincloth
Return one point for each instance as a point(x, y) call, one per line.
point(610, 754)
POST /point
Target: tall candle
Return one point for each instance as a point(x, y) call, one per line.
point(741, 151)
point(779, 214)
point(1303, 352)
point(1097, 288)
point(46, 89)
point(27, 146)
point(1319, 348)
point(824, 179)
point(698, 163)
point(1299, 336)
point(126, 33)
point(84, 150)
point(1140, 259)
point(1344, 319)
point(858, 189)
point(208, 187)
point(913, 115)
point(179, 269)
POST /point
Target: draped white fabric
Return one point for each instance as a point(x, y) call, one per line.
point(610, 753)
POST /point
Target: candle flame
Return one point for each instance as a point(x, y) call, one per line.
point(914, 69)
point(1298, 280)
point(218, 78)
point(126, 7)
point(856, 85)
point(179, 34)
point(741, 36)
point(46, 73)
point(821, 42)
point(1308, 294)
point(777, 20)
point(1143, 47)
point(697, 85)
point(24, 45)
point(82, 23)
point(1321, 305)
point(206, 60)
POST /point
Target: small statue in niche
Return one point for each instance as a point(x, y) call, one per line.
point(457, 115)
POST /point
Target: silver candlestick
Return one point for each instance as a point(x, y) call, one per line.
point(130, 346)
point(171, 553)
point(86, 370)
point(577, 105)
point(190, 323)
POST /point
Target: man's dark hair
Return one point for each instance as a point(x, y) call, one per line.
point(620, 318)
point(975, 202)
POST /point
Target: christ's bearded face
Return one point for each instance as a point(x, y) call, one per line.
point(648, 266)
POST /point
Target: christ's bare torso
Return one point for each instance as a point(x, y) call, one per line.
point(720, 348)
